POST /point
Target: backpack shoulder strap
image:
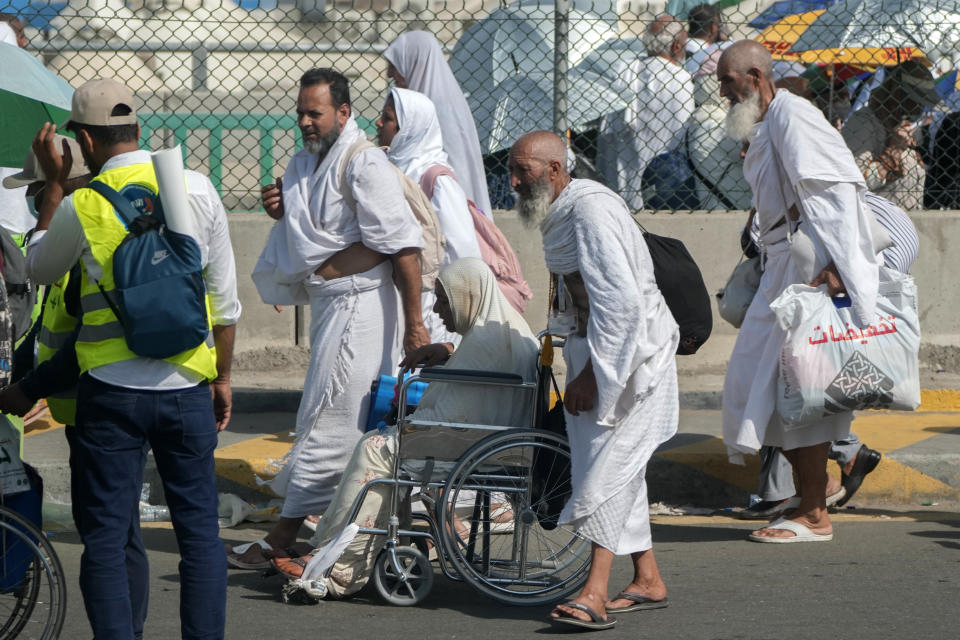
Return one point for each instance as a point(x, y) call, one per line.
point(429, 178)
point(124, 209)
point(356, 148)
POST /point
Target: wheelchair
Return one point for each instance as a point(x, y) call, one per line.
point(497, 492)
point(33, 590)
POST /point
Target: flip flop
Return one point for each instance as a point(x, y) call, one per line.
point(640, 603)
point(233, 558)
point(803, 533)
point(595, 623)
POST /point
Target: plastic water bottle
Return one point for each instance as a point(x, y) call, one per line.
point(151, 512)
point(154, 513)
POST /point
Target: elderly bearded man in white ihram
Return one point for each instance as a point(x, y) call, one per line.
point(800, 171)
point(621, 397)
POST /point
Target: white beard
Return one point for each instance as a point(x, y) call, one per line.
point(742, 117)
point(534, 208)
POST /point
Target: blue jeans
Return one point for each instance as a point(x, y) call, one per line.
point(115, 428)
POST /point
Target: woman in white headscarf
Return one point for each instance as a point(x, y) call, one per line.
point(415, 61)
point(409, 127)
point(495, 338)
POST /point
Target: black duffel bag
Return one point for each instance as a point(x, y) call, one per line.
point(682, 286)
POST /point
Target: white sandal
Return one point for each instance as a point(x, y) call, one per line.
point(803, 533)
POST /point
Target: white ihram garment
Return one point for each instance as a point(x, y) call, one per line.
point(418, 146)
point(631, 339)
point(355, 327)
point(661, 102)
point(419, 59)
point(818, 173)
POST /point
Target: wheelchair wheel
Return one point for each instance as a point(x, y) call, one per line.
point(508, 544)
point(402, 576)
point(32, 587)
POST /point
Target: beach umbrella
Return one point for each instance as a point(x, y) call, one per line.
point(932, 26)
point(524, 103)
point(783, 8)
point(783, 37)
point(29, 96)
point(613, 56)
point(519, 40)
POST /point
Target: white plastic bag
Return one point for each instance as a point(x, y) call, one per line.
point(830, 365)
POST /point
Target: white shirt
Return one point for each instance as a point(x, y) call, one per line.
point(654, 122)
point(53, 252)
point(14, 214)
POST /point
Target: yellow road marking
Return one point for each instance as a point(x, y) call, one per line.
point(243, 461)
point(884, 431)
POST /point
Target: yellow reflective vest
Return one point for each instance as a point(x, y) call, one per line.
point(55, 329)
point(101, 339)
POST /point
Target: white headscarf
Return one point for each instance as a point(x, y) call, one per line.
point(495, 338)
point(418, 144)
point(417, 56)
point(7, 34)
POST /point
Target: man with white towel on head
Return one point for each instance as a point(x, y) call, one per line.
point(621, 395)
point(343, 259)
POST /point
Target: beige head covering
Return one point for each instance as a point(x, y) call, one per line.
point(495, 338)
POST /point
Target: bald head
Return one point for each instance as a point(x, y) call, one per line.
point(744, 55)
point(545, 146)
point(538, 173)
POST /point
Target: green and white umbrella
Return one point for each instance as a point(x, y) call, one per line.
point(30, 94)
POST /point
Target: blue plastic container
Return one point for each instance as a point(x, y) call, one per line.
point(381, 398)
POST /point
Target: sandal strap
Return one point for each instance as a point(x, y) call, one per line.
point(586, 609)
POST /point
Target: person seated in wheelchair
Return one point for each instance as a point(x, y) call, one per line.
point(495, 338)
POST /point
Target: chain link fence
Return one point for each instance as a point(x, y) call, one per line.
point(640, 105)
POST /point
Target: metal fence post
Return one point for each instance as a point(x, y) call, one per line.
point(561, 44)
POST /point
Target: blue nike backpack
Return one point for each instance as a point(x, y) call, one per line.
point(158, 278)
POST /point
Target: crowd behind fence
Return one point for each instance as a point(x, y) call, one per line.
point(640, 106)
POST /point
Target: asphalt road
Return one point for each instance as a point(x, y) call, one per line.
point(886, 575)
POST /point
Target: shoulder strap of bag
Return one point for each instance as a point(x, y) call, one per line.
point(124, 209)
point(702, 178)
point(429, 178)
point(127, 214)
point(356, 148)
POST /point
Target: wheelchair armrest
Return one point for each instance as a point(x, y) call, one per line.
point(470, 375)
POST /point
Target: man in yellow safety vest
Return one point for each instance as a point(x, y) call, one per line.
point(127, 403)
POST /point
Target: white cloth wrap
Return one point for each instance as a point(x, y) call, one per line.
point(355, 336)
point(631, 339)
point(419, 58)
point(631, 332)
point(817, 172)
point(609, 501)
point(317, 223)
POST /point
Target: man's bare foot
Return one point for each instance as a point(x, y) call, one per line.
point(594, 601)
point(654, 591)
point(819, 526)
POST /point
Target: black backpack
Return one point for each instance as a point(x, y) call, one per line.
point(682, 286)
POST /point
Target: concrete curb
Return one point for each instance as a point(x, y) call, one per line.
point(255, 400)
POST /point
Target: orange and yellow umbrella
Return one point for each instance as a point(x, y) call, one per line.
point(780, 36)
